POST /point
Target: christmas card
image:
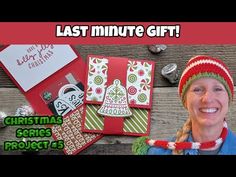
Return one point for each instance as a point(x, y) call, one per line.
point(118, 95)
point(52, 78)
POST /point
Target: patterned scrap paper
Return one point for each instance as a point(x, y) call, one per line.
point(138, 80)
point(137, 124)
point(70, 132)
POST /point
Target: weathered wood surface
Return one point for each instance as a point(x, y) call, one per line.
point(167, 114)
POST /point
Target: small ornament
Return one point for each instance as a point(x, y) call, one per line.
point(156, 48)
point(170, 72)
point(115, 103)
point(2, 117)
point(24, 110)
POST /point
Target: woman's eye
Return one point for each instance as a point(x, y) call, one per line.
point(197, 89)
point(218, 89)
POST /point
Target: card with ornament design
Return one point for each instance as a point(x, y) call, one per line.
point(118, 95)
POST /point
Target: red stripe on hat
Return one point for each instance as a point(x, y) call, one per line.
point(202, 57)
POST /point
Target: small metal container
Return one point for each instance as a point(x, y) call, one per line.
point(171, 73)
point(155, 49)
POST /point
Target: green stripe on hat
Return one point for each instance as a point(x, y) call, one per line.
point(202, 75)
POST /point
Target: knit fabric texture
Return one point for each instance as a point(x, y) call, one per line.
point(205, 66)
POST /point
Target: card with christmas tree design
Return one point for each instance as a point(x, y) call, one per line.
point(118, 95)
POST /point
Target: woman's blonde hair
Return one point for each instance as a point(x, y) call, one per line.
point(182, 134)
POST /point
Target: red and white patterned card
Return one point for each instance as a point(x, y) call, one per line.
point(70, 132)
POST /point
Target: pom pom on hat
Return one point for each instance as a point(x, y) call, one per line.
point(205, 66)
point(140, 146)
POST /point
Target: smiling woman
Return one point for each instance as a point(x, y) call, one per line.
point(206, 89)
point(207, 103)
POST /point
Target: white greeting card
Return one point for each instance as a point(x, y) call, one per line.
point(31, 64)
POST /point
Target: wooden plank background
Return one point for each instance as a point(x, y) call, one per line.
point(167, 114)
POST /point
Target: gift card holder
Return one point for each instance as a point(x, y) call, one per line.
point(64, 96)
point(118, 95)
point(33, 71)
point(51, 77)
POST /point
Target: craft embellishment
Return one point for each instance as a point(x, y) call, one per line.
point(64, 95)
point(69, 97)
point(115, 102)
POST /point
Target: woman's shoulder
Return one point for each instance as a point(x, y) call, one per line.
point(231, 135)
point(229, 146)
point(158, 151)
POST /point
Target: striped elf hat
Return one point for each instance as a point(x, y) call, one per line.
point(205, 66)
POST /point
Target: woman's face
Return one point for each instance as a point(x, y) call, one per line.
point(207, 102)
